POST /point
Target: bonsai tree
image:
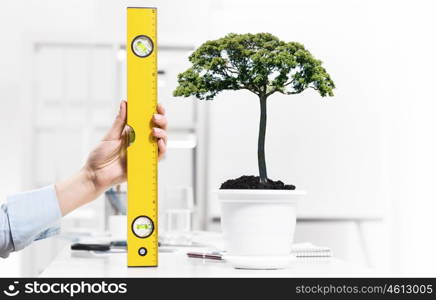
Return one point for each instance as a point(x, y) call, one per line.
point(259, 63)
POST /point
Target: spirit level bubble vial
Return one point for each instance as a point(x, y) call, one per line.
point(142, 153)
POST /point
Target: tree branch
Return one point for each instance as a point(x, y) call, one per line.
point(233, 70)
point(250, 89)
point(289, 82)
point(270, 93)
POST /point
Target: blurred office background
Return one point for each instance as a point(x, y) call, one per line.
point(365, 157)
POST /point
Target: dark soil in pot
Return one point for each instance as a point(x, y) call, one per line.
point(253, 183)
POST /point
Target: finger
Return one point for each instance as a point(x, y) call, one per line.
point(162, 148)
point(160, 120)
point(119, 123)
point(160, 134)
point(161, 109)
point(127, 136)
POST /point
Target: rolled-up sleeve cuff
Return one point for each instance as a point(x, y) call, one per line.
point(33, 215)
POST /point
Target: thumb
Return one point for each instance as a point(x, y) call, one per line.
point(119, 123)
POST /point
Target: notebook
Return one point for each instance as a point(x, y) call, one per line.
point(310, 250)
point(300, 250)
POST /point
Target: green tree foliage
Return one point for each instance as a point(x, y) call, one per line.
point(259, 63)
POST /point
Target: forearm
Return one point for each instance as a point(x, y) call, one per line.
point(35, 214)
point(28, 216)
point(6, 244)
point(77, 191)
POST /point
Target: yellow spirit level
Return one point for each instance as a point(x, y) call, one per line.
point(142, 154)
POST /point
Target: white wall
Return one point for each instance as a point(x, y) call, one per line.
point(19, 20)
point(331, 147)
point(24, 20)
point(101, 19)
point(411, 159)
point(369, 147)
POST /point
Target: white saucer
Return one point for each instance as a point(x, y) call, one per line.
point(259, 262)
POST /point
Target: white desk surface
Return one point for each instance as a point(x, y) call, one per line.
point(176, 264)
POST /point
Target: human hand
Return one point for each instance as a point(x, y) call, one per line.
point(106, 164)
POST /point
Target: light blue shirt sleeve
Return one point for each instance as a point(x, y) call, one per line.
point(27, 217)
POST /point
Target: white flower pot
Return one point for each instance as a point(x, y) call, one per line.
point(259, 224)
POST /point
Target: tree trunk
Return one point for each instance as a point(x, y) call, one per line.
point(261, 141)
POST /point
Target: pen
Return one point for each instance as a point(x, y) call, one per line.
point(211, 255)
